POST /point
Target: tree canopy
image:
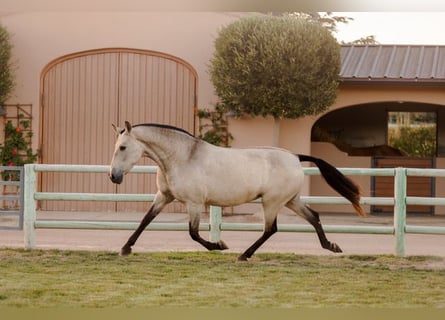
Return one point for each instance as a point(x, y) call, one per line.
point(286, 67)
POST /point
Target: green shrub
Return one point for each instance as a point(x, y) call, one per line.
point(280, 66)
point(414, 141)
point(16, 150)
point(213, 126)
point(6, 76)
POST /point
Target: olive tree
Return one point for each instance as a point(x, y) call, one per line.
point(284, 67)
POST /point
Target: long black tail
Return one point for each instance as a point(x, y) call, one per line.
point(340, 183)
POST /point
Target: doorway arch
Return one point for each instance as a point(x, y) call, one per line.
point(85, 92)
point(362, 131)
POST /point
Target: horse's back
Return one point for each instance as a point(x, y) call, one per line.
point(272, 158)
point(231, 176)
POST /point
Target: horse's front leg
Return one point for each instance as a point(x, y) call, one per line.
point(270, 228)
point(160, 201)
point(195, 213)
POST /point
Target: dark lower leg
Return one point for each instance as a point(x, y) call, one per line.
point(151, 214)
point(194, 233)
point(268, 232)
point(314, 219)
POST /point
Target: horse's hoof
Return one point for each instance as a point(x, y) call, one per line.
point(335, 248)
point(241, 258)
point(125, 251)
point(222, 245)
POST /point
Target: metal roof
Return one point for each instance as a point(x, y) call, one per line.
point(409, 64)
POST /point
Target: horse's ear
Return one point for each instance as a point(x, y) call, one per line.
point(128, 126)
point(117, 129)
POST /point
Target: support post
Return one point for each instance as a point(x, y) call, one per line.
point(400, 180)
point(21, 195)
point(29, 208)
point(215, 223)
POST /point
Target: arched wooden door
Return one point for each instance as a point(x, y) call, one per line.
point(84, 93)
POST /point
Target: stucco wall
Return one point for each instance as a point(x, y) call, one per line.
point(349, 95)
point(40, 37)
point(295, 134)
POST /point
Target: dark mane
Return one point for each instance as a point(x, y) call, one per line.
point(163, 126)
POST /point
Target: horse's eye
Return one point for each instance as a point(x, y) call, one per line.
point(122, 148)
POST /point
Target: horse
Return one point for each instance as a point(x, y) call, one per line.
point(197, 174)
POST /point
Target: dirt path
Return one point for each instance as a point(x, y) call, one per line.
point(300, 243)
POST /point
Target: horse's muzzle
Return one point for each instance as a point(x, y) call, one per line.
point(116, 177)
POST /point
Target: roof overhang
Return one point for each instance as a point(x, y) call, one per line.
point(392, 82)
point(401, 65)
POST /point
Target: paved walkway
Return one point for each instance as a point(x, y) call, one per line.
point(300, 243)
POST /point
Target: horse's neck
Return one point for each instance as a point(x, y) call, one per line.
point(165, 147)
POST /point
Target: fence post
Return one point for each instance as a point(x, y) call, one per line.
point(400, 179)
point(29, 207)
point(215, 223)
point(21, 196)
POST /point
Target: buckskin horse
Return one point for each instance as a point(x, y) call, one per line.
point(197, 174)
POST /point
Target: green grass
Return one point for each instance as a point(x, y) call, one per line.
point(49, 278)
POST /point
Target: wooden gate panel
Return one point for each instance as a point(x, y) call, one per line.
point(151, 90)
point(416, 186)
point(80, 102)
point(137, 90)
point(84, 93)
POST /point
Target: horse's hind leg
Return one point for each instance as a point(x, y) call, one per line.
point(161, 200)
point(314, 219)
point(195, 213)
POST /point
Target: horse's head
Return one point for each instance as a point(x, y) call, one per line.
point(127, 152)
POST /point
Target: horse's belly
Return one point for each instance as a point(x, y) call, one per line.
point(215, 194)
point(220, 199)
point(281, 189)
point(233, 199)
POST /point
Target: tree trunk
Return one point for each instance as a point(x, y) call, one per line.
point(276, 132)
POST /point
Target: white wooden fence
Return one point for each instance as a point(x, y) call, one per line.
point(215, 225)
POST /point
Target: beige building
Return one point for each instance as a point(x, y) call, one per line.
point(376, 80)
point(82, 71)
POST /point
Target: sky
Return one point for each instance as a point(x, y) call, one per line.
point(395, 27)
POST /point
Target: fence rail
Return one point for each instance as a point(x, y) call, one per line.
point(215, 225)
